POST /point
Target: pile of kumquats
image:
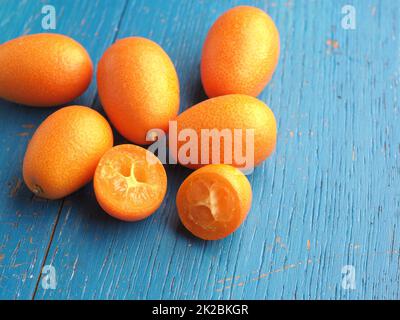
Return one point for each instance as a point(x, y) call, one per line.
point(138, 87)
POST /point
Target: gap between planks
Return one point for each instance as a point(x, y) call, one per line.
point(63, 200)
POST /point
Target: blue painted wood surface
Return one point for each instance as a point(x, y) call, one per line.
point(328, 197)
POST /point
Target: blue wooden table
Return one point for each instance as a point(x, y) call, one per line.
point(325, 219)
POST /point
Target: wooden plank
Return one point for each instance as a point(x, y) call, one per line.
point(327, 198)
point(26, 222)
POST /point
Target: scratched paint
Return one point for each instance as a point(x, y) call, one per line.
point(15, 186)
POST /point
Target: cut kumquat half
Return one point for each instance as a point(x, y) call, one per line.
point(130, 182)
point(214, 201)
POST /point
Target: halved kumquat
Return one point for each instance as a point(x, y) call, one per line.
point(214, 201)
point(130, 182)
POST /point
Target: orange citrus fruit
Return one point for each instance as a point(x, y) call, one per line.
point(214, 201)
point(238, 116)
point(138, 88)
point(43, 69)
point(130, 182)
point(240, 53)
point(63, 153)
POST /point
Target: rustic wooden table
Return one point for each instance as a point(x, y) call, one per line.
point(328, 198)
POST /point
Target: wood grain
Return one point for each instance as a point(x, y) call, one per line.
point(27, 223)
point(327, 198)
